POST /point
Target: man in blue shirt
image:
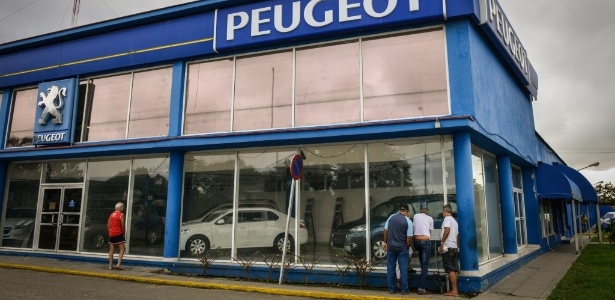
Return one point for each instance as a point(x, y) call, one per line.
point(398, 238)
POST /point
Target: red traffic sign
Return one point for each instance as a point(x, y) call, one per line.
point(296, 167)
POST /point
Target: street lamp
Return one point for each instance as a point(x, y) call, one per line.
point(589, 166)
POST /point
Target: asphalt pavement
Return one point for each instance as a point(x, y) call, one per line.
point(534, 280)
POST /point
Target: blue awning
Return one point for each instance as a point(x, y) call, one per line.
point(551, 183)
point(588, 193)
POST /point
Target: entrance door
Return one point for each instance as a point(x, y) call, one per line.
point(59, 218)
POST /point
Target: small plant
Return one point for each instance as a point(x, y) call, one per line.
point(288, 265)
point(342, 271)
point(273, 264)
point(308, 265)
point(361, 266)
point(246, 263)
point(208, 258)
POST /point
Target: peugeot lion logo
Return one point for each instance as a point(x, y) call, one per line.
point(49, 102)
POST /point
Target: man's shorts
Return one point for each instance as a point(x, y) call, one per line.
point(450, 260)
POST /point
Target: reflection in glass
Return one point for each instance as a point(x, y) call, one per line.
point(405, 76)
point(480, 208)
point(410, 172)
point(332, 194)
point(107, 184)
point(149, 206)
point(208, 188)
point(22, 118)
point(263, 91)
point(492, 198)
point(486, 196)
point(63, 172)
point(208, 97)
point(149, 105)
point(520, 223)
point(21, 203)
point(264, 191)
point(327, 85)
point(109, 104)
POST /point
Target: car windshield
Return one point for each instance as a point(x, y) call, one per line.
point(383, 210)
point(214, 215)
point(609, 215)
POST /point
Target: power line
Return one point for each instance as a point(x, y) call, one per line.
point(20, 9)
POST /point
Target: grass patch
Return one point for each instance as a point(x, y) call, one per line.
point(591, 276)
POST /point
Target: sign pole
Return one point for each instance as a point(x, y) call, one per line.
point(290, 206)
point(296, 170)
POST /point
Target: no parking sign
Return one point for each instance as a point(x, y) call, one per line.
point(296, 167)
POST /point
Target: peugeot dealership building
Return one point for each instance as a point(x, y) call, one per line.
point(217, 123)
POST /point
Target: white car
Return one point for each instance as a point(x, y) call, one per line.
point(257, 227)
point(607, 218)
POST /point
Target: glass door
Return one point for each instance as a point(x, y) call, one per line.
point(59, 218)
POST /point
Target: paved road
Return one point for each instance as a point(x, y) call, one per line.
point(26, 284)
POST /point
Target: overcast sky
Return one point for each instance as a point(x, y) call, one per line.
point(569, 42)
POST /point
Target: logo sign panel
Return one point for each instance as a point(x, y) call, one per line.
point(267, 22)
point(499, 28)
point(55, 104)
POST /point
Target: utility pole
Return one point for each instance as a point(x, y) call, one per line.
point(76, 4)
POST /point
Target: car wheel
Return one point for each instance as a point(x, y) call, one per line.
point(378, 252)
point(197, 245)
point(98, 241)
point(278, 243)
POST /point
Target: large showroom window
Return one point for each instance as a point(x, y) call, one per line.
point(404, 76)
point(208, 97)
point(107, 182)
point(330, 219)
point(263, 205)
point(22, 118)
point(487, 206)
point(327, 85)
point(365, 79)
point(209, 188)
point(18, 218)
point(125, 106)
point(263, 91)
point(149, 177)
point(139, 183)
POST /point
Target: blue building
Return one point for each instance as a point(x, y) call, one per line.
point(192, 116)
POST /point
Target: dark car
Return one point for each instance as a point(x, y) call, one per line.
point(150, 230)
point(351, 235)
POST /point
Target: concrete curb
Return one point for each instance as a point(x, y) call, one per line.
point(204, 285)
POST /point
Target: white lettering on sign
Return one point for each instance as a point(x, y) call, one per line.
point(347, 12)
point(507, 34)
point(51, 137)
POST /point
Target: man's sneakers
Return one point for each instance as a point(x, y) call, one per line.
point(423, 292)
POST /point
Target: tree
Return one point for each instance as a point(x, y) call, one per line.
point(606, 193)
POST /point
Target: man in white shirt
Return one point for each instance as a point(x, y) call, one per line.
point(450, 249)
point(423, 225)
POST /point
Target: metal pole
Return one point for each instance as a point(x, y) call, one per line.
point(290, 206)
point(598, 223)
point(574, 227)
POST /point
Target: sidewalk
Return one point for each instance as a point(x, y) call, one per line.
point(535, 280)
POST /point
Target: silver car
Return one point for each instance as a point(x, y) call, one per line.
point(257, 227)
